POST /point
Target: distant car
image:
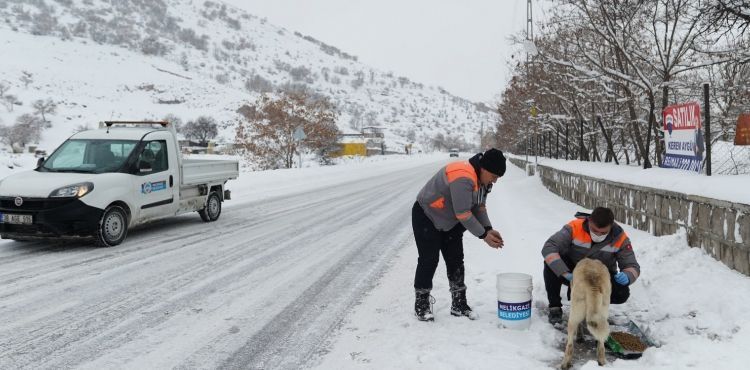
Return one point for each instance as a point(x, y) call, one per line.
point(453, 152)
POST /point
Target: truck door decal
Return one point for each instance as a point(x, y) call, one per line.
point(149, 187)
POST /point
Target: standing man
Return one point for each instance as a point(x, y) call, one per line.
point(452, 202)
point(595, 236)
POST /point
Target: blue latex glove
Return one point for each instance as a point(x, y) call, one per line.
point(568, 276)
point(622, 278)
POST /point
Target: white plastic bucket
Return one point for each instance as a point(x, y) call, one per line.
point(514, 300)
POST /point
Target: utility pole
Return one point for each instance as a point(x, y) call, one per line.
point(530, 39)
point(529, 23)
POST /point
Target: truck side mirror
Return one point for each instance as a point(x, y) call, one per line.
point(39, 162)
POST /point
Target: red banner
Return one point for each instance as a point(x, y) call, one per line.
point(682, 116)
point(742, 136)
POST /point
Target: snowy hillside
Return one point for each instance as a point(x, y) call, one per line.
point(135, 59)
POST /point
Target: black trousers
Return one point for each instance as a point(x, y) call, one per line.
point(553, 283)
point(430, 243)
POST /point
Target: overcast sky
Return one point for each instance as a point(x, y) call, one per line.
point(461, 45)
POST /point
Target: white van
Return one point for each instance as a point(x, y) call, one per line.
point(102, 182)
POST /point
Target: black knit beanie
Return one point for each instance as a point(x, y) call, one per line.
point(493, 160)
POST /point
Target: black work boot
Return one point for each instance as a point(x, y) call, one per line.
point(555, 315)
point(423, 306)
point(459, 307)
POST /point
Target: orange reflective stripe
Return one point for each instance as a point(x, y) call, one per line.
point(578, 233)
point(439, 203)
point(632, 271)
point(457, 170)
point(464, 216)
point(620, 240)
point(552, 257)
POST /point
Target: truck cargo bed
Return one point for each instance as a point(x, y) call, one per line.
point(199, 171)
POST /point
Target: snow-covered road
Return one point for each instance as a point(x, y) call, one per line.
point(314, 267)
point(261, 288)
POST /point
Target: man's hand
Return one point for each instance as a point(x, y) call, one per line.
point(493, 239)
point(622, 278)
point(568, 276)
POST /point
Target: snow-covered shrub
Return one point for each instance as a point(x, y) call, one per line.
point(341, 70)
point(301, 73)
point(259, 84)
point(152, 46)
point(282, 66)
point(222, 78)
point(44, 23)
point(189, 36)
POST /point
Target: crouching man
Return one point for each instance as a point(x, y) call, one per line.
point(594, 236)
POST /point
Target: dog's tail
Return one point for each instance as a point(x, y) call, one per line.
point(592, 310)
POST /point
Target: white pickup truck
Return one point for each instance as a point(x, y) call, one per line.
point(102, 182)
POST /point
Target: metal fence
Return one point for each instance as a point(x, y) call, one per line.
point(583, 140)
point(729, 159)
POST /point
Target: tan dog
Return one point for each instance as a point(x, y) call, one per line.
point(589, 299)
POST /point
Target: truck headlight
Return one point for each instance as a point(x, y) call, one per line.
point(73, 191)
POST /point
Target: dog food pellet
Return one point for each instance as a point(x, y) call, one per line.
point(628, 341)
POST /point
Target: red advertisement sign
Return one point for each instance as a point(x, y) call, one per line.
point(683, 139)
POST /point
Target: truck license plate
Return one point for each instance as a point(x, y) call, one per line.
point(10, 218)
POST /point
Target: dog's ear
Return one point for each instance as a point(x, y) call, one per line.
point(582, 215)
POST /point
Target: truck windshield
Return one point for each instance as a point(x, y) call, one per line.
point(89, 156)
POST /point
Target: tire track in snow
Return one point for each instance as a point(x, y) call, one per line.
point(121, 295)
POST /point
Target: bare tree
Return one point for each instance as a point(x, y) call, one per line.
point(729, 13)
point(26, 78)
point(44, 107)
point(10, 101)
point(27, 129)
point(599, 74)
point(266, 131)
point(203, 129)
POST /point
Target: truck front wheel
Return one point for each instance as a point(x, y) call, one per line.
point(213, 208)
point(113, 227)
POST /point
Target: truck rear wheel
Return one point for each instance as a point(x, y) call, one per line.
point(212, 211)
point(113, 227)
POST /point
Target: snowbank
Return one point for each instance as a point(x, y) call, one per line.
point(731, 188)
point(691, 304)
